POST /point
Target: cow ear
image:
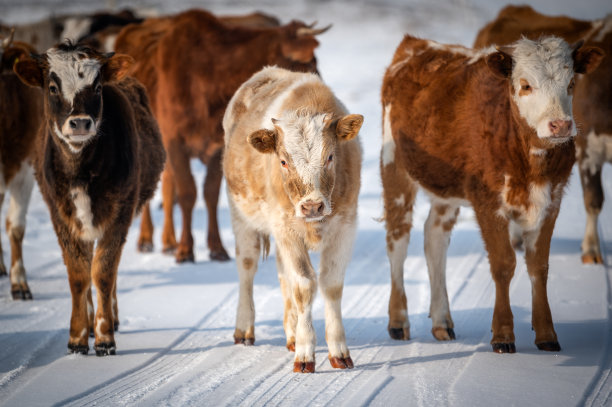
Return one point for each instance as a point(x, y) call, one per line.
point(586, 59)
point(263, 140)
point(117, 67)
point(348, 126)
point(500, 63)
point(29, 71)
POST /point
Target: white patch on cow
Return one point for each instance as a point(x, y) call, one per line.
point(82, 204)
point(74, 69)
point(109, 43)
point(537, 151)
point(606, 27)
point(548, 67)
point(474, 54)
point(388, 147)
point(81, 335)
point(598, 151)
point(18, 275)
point(409, 52)
point(99, 327)
point(400, 201)
point(20, 188)
point(75, 28)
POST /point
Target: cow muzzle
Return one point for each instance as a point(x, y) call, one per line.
point(79, 129)
point(313, 210)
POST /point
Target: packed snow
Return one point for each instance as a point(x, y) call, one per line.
point(175, 344)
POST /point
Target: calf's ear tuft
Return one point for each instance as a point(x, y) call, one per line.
point(348, 126)
point(29, 71)
point(263, 140)
point(500, 63)
point(586, 59)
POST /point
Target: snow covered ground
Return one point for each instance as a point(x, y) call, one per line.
point(175, 345)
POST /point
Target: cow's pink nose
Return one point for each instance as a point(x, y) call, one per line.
point(560, 127)
point(312, 209)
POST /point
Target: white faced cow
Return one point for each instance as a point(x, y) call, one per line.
point(292, 162)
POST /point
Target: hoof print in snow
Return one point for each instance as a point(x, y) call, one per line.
point(79, 349)
point(304, 367)
point(552, 346)
point(400, 334)
point(105, 349)
point(341, 363)
point(504, 347)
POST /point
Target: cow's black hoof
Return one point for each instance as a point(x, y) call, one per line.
point(504, 347)
point(552, 346)
point(105, 348)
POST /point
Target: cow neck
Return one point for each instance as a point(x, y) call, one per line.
point(76, 166)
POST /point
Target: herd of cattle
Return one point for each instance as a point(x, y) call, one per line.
point(497, 128)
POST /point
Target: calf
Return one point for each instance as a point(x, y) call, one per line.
point(592, 101)
point(97, 162)
point(192, 64)
point(491, 129)
point(292, 161)
point(19, 122)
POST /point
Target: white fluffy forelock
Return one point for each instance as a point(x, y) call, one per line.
point(74, 71)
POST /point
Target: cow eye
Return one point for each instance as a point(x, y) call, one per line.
point(53, 89)
point(284, 163)
point(330, 158)
point(526, 87)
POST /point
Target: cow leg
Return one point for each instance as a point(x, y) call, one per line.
point(399, 193)
point(536, 257)
point(438, 228)
point(495, 233)
point(186, 194)
point(21, 191)
point(247, 254)
point(115, 309)
point(290, 314)
point(335, 256)
point(168, 196)
point(2, 266)
point(145, 240)
point(593, 202)
point(212, 186)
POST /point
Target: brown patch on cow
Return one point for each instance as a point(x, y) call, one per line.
point(526, 88)
point(247, 263)
point(334, 293)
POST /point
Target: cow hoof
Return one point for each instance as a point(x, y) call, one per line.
point(19, 294)
point(80, 349)
point(169, 250)
point(504, 347)
point(244, 341)
point(400, 334)
point(443, 334)
point(592, 258)
point(551, 346)
point(105, 348)
point(341, 363)
point(304, 367)
point(145, 247)
point(219, 255)
point(291, 347)
point(185, 258)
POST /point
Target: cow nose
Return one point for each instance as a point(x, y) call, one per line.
point(560, 127)
point(312, 209)
point(80, 125)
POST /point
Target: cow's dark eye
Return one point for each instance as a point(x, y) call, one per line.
point(53, 89)
point(284, 163)
point(330, 158)
point(98, 89)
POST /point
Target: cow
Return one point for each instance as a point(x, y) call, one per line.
point(189, 99)
point(97, 161)
point(292, 163)
point(488, 128)
point(19, 123)
point(592, 100)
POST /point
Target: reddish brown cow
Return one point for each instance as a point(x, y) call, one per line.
point(489, 129)
point(97, 162)
point(192, 64)
point(19, 123)
point(592, 99)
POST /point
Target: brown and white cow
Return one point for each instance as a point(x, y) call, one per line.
point(19, 122)
point(292, 161)
point(192, 64)
point(592, 99)
point(97, 162)
point(486, 128)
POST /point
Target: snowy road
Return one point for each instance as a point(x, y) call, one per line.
point(175, 344)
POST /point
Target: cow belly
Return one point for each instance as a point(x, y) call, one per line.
point(598, 151)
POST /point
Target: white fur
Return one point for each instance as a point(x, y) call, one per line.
point(20, 188)
point(599, 151)
point(75, 28)
point(388, 147)
point(82, 203)
point(605, 25)
point(74, 70)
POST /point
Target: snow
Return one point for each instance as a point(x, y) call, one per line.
point(175, 343)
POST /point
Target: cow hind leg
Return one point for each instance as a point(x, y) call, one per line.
point(593, 202)
point(212, 186)
point(438, 227)
point(290, 315)
point(399, 192)
point(145, 240)
point(168, 197)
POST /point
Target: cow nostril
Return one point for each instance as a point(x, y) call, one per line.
point(73, 124)
point(320, 208)
point(87, 124)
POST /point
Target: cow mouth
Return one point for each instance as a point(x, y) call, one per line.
point(78, 138)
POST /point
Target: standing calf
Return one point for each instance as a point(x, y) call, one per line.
point(19, 122)
point(491, 129)
point(97, 162)
point(292, 162)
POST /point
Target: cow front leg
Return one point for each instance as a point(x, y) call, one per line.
point(335, 256)
point(290, 315)
point(536, 257)
point(496, 235)
point(168, 197)
point(2, 266)
point(593, 201)
point(438, 228)
point(145, 239)
point(247, 255)
point(212, 185)
point(399, 193)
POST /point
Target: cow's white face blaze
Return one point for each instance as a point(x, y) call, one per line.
point(305, 147)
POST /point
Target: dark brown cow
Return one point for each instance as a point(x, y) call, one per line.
point(592, 99)
point(192, 64)
point(97, 162)
point(489, 129)
point(19, 122)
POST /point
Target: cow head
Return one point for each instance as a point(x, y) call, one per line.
point(72, 78)
point(542, 76)
point(298, 43)
point(305, 147)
